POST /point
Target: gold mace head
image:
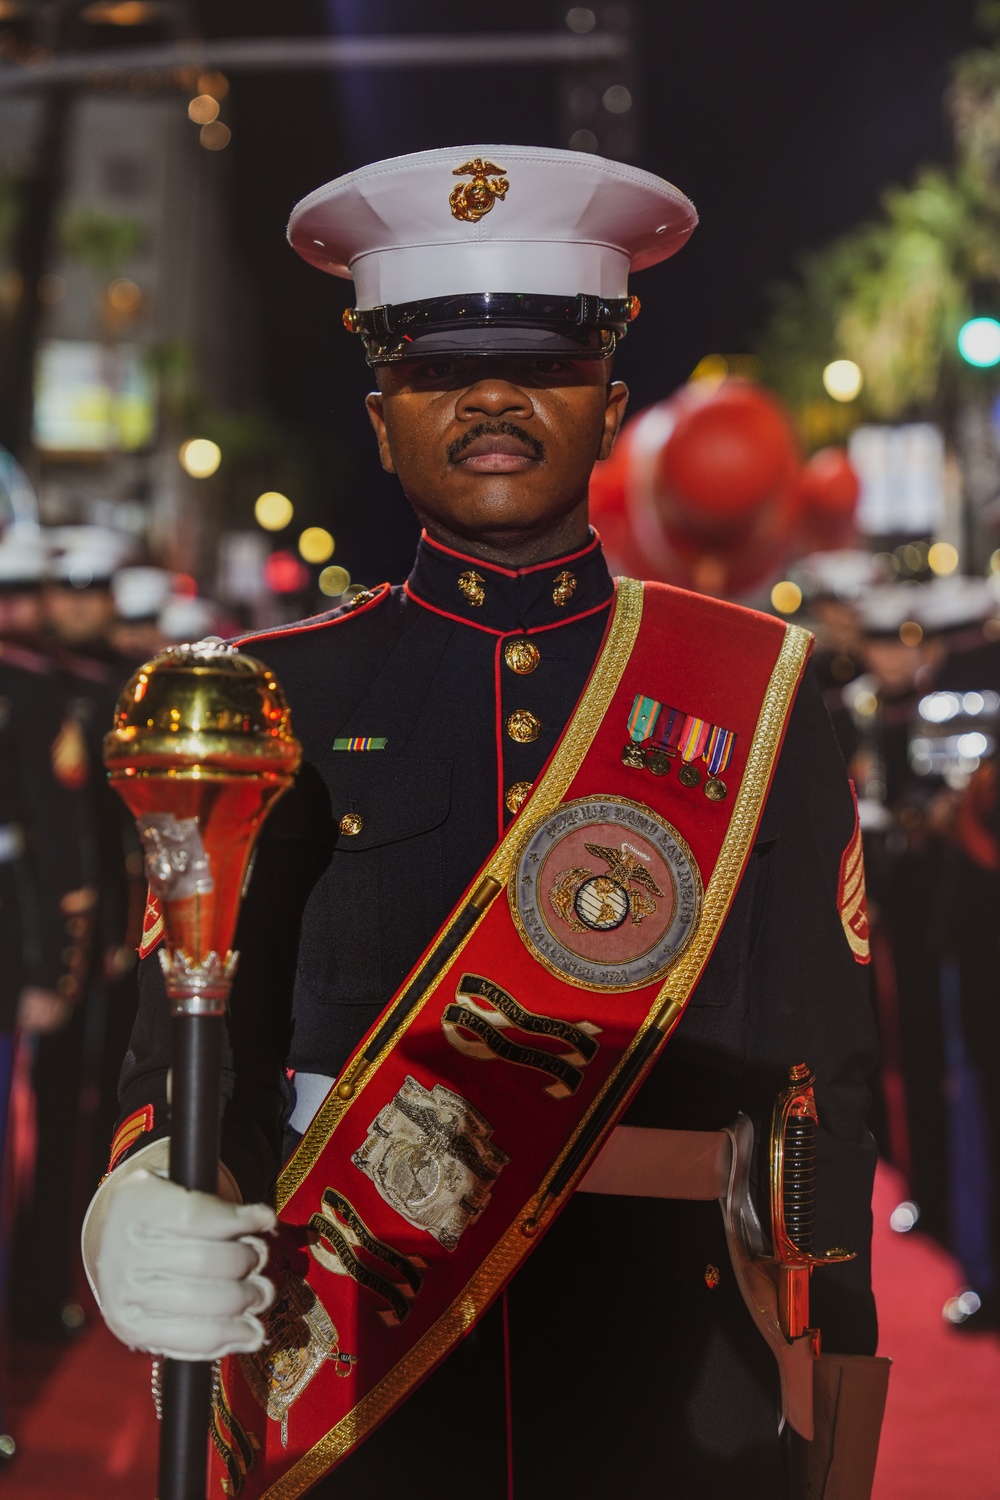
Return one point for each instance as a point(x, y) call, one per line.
point(202, 710)
point(201, 748)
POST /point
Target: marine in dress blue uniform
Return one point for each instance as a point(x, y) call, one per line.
point(622, 1359)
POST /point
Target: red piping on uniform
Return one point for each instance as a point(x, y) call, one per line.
point(555, 624)
point(498, 715)
point(489, 630)
point(300, 627)
point(447, 613)
point(481, 562)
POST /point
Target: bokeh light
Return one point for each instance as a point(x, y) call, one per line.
point(842, 379)
point(215, 136)
point(904, 1216)
point(200, 457)
point(316, 544)
point(979, 342)
point(942, 558)
point(284, 574)
point(273, 511)
point(203, 109)
point(786, 597)
point(334, 581)
point(124, 296)
point(216, 84)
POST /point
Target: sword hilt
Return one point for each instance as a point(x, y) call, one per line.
point(793, 1199)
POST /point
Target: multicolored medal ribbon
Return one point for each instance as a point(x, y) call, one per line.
point(659, 735)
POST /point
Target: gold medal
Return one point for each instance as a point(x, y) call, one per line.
point(715, 790)
point(632, 755)
point(688, 776)
point(658, 761)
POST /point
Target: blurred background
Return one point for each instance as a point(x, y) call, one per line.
point(814, 430)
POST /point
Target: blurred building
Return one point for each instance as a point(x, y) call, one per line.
point(138, 322)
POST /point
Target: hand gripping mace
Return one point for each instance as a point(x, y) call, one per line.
point(201, 748)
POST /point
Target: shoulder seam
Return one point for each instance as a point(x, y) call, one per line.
point(305, 627)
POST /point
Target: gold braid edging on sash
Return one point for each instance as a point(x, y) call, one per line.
point(665, 1013)
point(548, 794)
point(673, 997)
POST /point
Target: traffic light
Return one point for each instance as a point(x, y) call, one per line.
point(979, 342)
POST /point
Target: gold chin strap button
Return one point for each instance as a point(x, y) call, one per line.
point(516, 796)
point(521, 656)
point(563, 589)
point(523, 727)
point(470, 586)
point(351, 824)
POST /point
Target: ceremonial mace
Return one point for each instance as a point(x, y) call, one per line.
point(201, 748)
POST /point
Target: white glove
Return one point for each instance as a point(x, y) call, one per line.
point(178, 1273)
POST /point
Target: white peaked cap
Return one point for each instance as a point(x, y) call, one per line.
point(567, 223)
point(90, 554)
point(140, 593)
point(24, 557)
point(841, 574)
point(491, 221)
point(955, 602)
point(184, 618)
point(887, 606)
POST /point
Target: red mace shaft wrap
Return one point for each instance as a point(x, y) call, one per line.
point(201, 748)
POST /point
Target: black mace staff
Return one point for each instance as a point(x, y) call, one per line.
point(201, 748)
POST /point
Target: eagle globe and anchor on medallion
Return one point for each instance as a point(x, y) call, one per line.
point(606, 894)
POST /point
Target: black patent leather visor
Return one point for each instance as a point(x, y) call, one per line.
point(492, 323)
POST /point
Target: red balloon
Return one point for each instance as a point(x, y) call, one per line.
point(829, 488)
point(701, 490)
point(729, 450)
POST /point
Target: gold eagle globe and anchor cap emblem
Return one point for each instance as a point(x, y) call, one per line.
point(469, 201)
point(606, 894)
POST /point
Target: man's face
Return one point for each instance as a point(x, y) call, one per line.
point(495, 451)
point(21, 613)
point(79, 616)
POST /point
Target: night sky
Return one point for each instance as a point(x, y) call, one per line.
point(783, 122)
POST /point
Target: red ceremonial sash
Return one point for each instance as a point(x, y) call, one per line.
point(474, 1105)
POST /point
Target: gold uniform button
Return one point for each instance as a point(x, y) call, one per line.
point(564, 587)
point(521, 656)
point(470, 586)
point(523, 727)
point(516, 796)
point(351, 823)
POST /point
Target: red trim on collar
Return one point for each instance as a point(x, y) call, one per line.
point(301, 627)
point(446, 614)
point(481, 562)
point(488, 629)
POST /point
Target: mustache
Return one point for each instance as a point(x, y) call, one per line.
point(495, 429)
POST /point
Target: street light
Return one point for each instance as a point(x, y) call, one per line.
point(842, 379)
point(200, 457)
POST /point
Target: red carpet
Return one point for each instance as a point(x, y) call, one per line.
point(942, 1427)
point(85, 1425)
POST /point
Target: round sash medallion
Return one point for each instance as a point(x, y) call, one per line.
point(605, 893)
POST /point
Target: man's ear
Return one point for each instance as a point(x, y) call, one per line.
point(373, 404)
point(614, 413)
